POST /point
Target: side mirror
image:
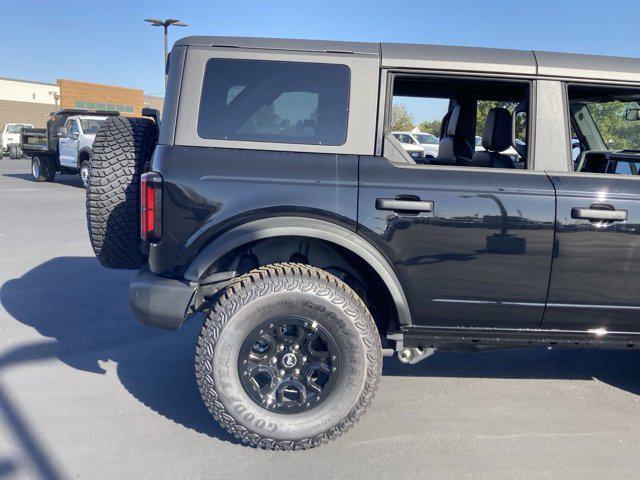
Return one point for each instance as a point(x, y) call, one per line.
point(62, 132)
point(632, 114)
point(74, 136)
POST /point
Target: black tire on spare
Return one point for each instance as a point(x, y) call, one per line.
point(258, 355)
point(121, 152)
point(43, 168)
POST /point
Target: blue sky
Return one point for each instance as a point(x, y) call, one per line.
point(108, 42)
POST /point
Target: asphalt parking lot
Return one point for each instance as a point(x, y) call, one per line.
point(87, 392)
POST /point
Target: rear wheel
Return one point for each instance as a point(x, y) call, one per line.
point(15, 152)
point(288, 358)
point(43, 169)
point(121, 151)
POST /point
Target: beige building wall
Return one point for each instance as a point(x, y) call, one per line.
point(35, 114)
point(28, 92)
point(26, 102)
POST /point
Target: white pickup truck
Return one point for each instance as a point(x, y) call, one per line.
point(11, 135)
point(75, 141)
point(64, 146)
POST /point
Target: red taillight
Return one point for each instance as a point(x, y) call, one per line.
point(151, 207)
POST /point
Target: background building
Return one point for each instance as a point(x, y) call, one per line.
point(93, 96)
point(27, 102)
point(31, 102)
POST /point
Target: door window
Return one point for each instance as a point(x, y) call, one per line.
point(605, 126)
point(472, 120)
point(72, 128)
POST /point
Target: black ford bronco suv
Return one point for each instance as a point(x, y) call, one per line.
point(272, 205)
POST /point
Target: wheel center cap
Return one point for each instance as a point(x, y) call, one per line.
point(289, 360)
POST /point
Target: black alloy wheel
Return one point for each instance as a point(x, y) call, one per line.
point(288, 365)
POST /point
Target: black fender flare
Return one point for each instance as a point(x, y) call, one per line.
point(302, 227)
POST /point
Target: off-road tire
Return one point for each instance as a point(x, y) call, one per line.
point(43, 168)
point(309, 293)
point(121, 152)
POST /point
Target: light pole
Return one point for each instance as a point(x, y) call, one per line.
point(156, 22)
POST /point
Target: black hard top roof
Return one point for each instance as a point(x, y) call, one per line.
point(450, 58)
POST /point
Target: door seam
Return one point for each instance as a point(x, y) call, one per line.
point(553, 249)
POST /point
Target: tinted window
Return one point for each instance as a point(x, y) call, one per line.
point(282, 102)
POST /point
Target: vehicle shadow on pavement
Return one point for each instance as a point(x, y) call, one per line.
point(71, 180)
point(85, 309)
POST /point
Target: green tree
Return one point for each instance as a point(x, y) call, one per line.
point(617, 132)
point(401, 118)
point(431, 126)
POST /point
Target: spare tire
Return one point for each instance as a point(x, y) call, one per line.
point(121, 153)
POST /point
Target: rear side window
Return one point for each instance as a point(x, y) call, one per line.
point(279, 102)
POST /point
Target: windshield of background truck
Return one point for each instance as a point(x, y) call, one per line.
point(14, 128)
point(90, 126)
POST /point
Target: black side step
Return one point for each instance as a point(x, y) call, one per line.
point(439, 337)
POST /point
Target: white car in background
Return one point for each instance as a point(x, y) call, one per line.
point(429, 142)
point(11, 135)
point(410, 144)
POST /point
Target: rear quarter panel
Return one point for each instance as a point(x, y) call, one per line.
point(208, 190)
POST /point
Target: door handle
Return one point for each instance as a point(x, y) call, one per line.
point(599, 214)
point(404, 205)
